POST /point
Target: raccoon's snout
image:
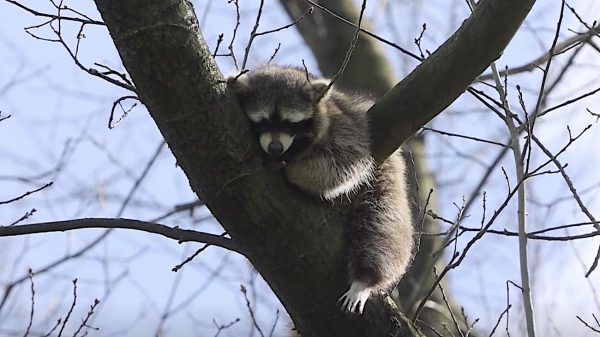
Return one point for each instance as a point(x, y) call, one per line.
point(274, 143)
point(275, 148)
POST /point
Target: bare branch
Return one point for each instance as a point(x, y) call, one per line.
point(589, 326)
point(535, 235)
point(245, 292)
point(189, 259)
point(559, 48)
point(221, 327)
point(580, 203)
point(58, 321)
point(253, 33)
point(451, 134)
point(350, 48)
point(31, 313)
point(73, 303)
point(457, 258)
point(570, 101)
point(25, 194)
point(84, 19)
point(375, 36)
point(291, 24)
point(116, 103)
point(87, 317)
point(505, 312)
point(176, 233)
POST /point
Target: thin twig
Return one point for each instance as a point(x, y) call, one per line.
point(87, 317)
point(245, 292)
point(448, 306)
point(90, 71)
point(535, 64)
point(375, 36)
point(570, 101)
point(24, 217)
point(274, 53)
point(530, 126)
point(116, 103)
point(505, 312)
point(110, 71)
point(253, 33)
point(191, 257)
point(419, 39)
point(55, 17)
point(221, 327)
point(446, 133)
point(291, 24)
point(25, 194)
point(589, 326)
point(31, 313)
point(457, 259)
point(53, 328)
point(235, 29)
point(532, 235)
point(219, 41)
point(73, 303)
point(274, 323)
point(350, 50)
point(580, 203)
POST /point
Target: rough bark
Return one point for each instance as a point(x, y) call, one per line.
point(287, 235)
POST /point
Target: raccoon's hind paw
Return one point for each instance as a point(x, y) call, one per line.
point(353, 301)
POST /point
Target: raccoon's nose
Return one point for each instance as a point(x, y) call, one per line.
point(275, 148)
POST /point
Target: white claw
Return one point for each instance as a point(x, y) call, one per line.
point(355, 298)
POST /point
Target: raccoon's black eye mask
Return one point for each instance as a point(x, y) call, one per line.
point(292, 128)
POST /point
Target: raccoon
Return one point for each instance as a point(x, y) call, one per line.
point(321, 134)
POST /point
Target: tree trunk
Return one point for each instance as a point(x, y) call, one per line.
point(293, 240)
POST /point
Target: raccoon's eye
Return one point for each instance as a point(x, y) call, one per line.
point(262, 125)
point(301, 125)
point(261, 122)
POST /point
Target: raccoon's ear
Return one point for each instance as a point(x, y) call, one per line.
point(320, 88)
point(239, 83)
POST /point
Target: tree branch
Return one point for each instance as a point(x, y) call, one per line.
point(175, 233)
point(443, 76)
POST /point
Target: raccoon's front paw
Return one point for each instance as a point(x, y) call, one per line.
point(353, 301)
point(274, 165)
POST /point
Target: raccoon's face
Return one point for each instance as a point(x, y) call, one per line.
point(283, 108)
point(283, 130)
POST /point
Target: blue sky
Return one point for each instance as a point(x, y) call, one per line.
point(59, 115)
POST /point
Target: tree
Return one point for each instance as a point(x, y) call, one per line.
point(176, 78)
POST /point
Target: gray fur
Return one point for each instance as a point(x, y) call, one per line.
point(337, 162)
